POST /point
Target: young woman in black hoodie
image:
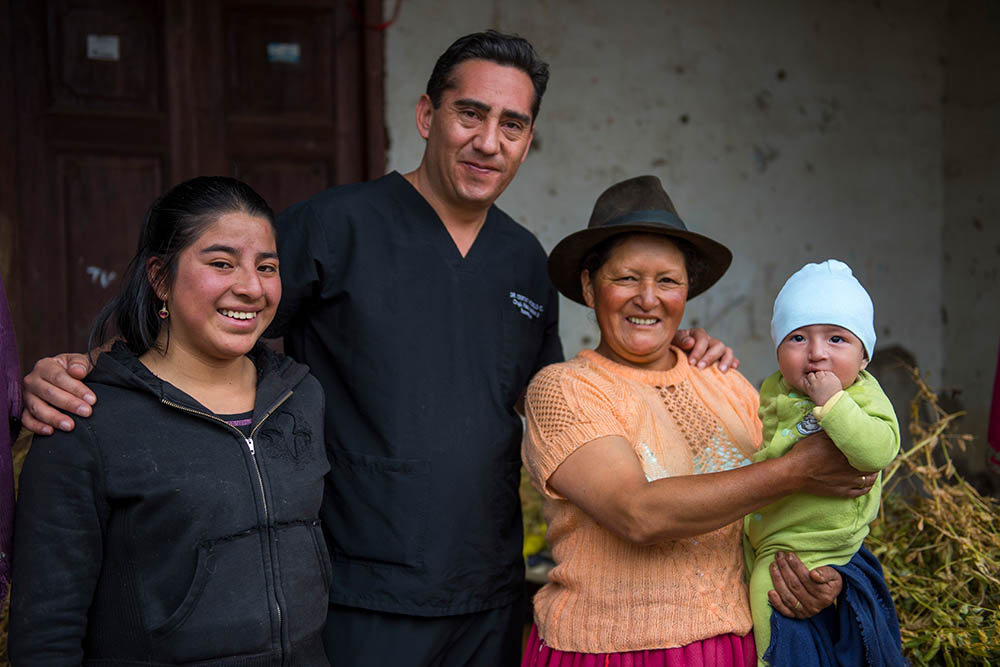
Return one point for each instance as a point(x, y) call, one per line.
point(179, 524)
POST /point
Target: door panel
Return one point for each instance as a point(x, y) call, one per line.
point(104, 57)
point(103, 197)
point(286, 181)
point(278, 64)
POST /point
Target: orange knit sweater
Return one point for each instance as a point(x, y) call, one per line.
point(606, 594)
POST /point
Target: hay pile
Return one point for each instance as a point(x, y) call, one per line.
point(531, 517)
point(939, 543)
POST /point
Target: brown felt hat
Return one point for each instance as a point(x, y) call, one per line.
point(638, 204)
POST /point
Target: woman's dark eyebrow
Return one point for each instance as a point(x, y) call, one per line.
point(218, 247)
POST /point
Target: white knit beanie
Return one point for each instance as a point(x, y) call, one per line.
point(826, 293)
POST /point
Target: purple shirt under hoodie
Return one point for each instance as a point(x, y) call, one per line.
point(10, 405)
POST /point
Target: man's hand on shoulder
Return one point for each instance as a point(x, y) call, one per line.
point(55, 382)
point(703, 350)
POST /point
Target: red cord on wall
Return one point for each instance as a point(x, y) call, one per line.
point(378, 26)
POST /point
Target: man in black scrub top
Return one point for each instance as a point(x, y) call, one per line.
point(423, 310)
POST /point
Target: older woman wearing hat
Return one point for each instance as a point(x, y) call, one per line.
point(644, 461)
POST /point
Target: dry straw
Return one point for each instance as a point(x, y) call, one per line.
point(939, 543)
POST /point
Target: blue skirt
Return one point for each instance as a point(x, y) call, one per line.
point(861, 629)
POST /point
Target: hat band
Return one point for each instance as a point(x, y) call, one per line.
point(657, 216)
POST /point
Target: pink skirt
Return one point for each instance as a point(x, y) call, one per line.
point(722, 651)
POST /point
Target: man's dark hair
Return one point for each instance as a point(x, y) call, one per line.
point(509, 50)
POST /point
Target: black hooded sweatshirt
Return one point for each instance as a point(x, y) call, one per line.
point(155, 533)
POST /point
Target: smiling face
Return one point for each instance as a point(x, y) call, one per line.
point(638, 296)
point(478, 136)
point(225, 290)
point(821, 347)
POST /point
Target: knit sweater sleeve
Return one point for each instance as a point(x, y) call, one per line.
point(57, 548)
point(863, 425)
point(564, 410)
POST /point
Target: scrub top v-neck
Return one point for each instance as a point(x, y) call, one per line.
point(422, 354)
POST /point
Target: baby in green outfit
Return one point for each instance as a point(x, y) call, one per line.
point(823, 329)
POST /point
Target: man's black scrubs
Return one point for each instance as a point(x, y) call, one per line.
point(423, 355)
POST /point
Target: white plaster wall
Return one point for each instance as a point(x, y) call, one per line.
point(971, 239)
point(793, 132)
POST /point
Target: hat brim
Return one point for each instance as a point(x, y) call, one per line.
point(566, 257)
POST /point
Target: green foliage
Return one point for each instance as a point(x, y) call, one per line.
point(939, 543)
point(531, 516)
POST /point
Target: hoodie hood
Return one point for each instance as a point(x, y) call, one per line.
point(120, 367)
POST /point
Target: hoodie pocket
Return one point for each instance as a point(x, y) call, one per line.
point(227, 608)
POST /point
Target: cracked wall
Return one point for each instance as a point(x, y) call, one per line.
point(792, 133)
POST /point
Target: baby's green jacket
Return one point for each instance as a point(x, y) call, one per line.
point(819, 530)
point(823, 530)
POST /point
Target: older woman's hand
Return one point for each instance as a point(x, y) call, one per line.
point(823, 470)
point(703, 350)
point(799, 592)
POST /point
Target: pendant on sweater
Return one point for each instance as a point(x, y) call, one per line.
point(652, 468)
point(808, 425)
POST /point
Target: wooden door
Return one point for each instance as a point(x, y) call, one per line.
point(119, 99)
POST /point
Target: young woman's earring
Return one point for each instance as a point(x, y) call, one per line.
point(163, 312)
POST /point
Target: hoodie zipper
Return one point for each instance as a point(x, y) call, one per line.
point(250, 445)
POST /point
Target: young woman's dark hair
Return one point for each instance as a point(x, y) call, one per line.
point(173, 222)
point(496, 47)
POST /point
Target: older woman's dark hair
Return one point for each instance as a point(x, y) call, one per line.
point(173, 223)
point(694, 263)
point(497, 47)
